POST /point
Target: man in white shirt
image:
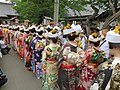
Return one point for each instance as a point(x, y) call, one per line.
point(104, 43)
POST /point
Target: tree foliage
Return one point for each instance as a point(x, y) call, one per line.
point(34, 10)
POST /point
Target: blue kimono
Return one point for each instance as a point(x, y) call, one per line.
point(37, 47)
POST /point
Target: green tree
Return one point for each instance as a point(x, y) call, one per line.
point(34, 10)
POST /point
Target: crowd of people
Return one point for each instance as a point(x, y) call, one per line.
point(65, 58)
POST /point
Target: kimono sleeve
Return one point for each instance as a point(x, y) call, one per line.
point(44, 55)
point(32, 45)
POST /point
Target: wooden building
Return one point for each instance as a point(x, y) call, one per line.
point(7, 12)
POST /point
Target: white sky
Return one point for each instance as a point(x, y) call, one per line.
point(4, 0)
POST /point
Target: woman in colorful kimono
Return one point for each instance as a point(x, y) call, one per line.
point(25, 34)
point(72, 58)
point(5, 31)
point(11, 36)
point(50, 59)
point(94, 58)
point(20, 46)
point(28, 53)
point(15, 38)
point(38, 45)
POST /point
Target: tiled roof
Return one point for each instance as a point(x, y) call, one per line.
point(6, 9)
point(87, 12)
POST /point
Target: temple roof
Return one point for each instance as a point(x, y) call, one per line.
point(7, 10)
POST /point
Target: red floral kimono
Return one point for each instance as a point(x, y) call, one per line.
point(88, 69)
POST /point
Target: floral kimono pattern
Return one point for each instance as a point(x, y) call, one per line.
point(68, 73)
point(28, 53)
point(11, 37)
point(38, 45)
point(89, 68)
point(15, 40)
point(50, 59)
point(108, 76)
point(19, 44)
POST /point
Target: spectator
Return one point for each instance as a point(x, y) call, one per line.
point(4, 48)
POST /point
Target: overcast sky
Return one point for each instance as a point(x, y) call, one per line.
point(4, 0)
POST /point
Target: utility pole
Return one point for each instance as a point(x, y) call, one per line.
point(56, 11)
